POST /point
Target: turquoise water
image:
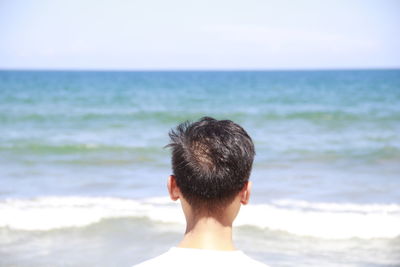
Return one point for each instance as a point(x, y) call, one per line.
point(328, 150)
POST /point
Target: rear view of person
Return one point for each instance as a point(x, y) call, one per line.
point(211, 163)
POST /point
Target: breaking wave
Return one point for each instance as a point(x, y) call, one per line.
point(323, 220)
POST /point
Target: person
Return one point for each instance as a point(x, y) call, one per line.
point(211, 162)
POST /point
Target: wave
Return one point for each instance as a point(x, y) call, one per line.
point(71, 148)
point(148, 150)
point(125, 116)
point(322, 220)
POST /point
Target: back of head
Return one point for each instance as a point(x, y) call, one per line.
point(211, 161)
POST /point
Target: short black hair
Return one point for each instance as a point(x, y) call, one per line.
point(211, 160)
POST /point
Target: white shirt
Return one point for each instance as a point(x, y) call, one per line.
point(190, 257)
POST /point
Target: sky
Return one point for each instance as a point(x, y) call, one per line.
point(199, 34)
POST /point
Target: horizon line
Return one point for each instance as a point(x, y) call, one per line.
point(196, 69)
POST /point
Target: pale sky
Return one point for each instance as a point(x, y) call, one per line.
point(199, 34)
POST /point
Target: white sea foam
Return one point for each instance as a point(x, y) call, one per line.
point(324, 220)
point(48, 213)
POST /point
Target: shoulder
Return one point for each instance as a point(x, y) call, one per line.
point(161, 260)
point(245, 260)
point(178, 257)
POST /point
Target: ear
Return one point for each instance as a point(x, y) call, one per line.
point(173, 188)
point(245, 193)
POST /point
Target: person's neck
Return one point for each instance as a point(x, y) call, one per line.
point(208, 233)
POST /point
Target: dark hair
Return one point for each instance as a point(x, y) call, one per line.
point(211, 160)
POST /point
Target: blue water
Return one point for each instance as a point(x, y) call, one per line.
point(327, 137)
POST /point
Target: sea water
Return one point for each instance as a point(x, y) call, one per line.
point(83, 165)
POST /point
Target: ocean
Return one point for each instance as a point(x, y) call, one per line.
point(83, 166)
